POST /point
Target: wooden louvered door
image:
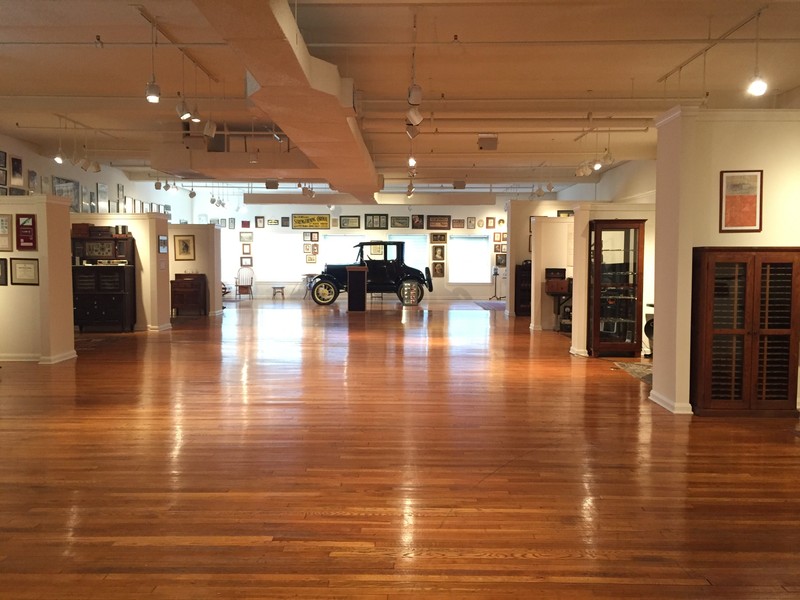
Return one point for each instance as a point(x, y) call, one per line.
point(745, 331)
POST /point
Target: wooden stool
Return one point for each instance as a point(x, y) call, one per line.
point(278, 289)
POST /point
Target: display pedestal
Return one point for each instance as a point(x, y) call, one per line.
point(357, 289)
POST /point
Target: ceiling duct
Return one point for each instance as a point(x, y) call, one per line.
point(303, 95)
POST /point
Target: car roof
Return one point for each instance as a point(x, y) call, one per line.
point(374, 242)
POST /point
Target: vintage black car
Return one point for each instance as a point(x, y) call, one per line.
point(386, 272)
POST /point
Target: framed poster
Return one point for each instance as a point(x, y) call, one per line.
point(438, 238)
point(245, 224)
point(6, 230)
point(24, 271)
point(66, 188)
point(245, 236)
point(459, 223)
point(259, 222)
point(311, 221)
point(231, 223)
point(284, 221)
point(740, 201)
point(437, 252)
point(16, 172)
point(311, 258)
point(376, 221)
point(350, 222)
point(3, 177)
point(489, 222)
point(33, 181)
point(2, 159)
point(417, 221)
point(25, 226)
point(438, 269)
point(400, 222)
point(500, 260)
point(438, 221)
point(163, 246)
point(3, 271)
point(184, 247)
point(246, 261)
point(245, 248)
point(470, 222)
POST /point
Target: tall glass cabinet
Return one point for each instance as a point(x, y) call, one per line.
point(616, 249)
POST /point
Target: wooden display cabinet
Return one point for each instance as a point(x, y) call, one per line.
point(745, 331)
point(189, 291)
point(616, 249)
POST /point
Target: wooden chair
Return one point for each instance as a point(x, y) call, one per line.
point(244, 282)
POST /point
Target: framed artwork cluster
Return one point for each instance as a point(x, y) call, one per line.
point(18, 232)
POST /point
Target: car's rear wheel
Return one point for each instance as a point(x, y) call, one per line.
point(410, 292)
point(324, 292)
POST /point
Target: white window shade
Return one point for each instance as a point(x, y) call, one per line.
point(469, 259)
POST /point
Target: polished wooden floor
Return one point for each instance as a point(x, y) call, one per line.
point(445, 451)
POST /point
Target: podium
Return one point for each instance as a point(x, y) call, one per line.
point(357, 288)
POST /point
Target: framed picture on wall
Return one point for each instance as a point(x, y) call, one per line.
point(24, 271)
point(350, 222)
point(6, 229)
point(245, 248)
point(245, 261)
point(740, 201)
point(163, 246)
point(3, 271)
point(184, 247)
point(17, 178)
point(245, 236)
point(259, 222)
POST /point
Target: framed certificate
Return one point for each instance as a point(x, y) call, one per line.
point(24, 271)
point(26, 232)
point(6, 228)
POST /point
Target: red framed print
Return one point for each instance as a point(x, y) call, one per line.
point(740, 201)
point(26, 232)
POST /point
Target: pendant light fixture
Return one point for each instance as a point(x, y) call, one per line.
point(757, 87)
point(59, 157)
point(182, 107)
point(152, 90)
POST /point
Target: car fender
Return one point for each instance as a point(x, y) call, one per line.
point(330, 278)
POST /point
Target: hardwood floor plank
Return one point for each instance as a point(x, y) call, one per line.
point(290, 450)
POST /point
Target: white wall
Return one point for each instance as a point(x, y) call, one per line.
point(633, 181)
point(289, 242)
point(36, 320)
point(693, 147)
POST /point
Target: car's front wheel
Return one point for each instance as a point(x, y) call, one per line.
point(324, 292)
point(410, 292)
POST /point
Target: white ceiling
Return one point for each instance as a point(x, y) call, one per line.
point(558, 81)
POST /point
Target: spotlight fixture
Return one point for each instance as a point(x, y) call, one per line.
point(152, 90)
point(410, 190)
point(414, 116)
point(608, 159)
point(210, 129)
point(597, 164)
point(85, 163)
point(167, 186)
point(539, 191)
point(308, 192)
point(94, 167)
point(195, 117)
point(271, 184)
point(192, 193)
point(157, 184)
point(550, 187)
point(757, 87)
point(412, 162)
point(254, 157)
point(213, 200)
point(183, 110)
point(414, 94)
point(331, 207)
point(412, 131)
point(59, 157)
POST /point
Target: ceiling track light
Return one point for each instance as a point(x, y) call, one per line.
point(157, 184)
point(94, 167)
point(59, 157)
point(183, 110)
point(757, 86)
point(167, 186)
point(192, 193)
point(152, 90)
point(210, 129)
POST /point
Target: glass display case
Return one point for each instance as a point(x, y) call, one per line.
point(616, 248)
